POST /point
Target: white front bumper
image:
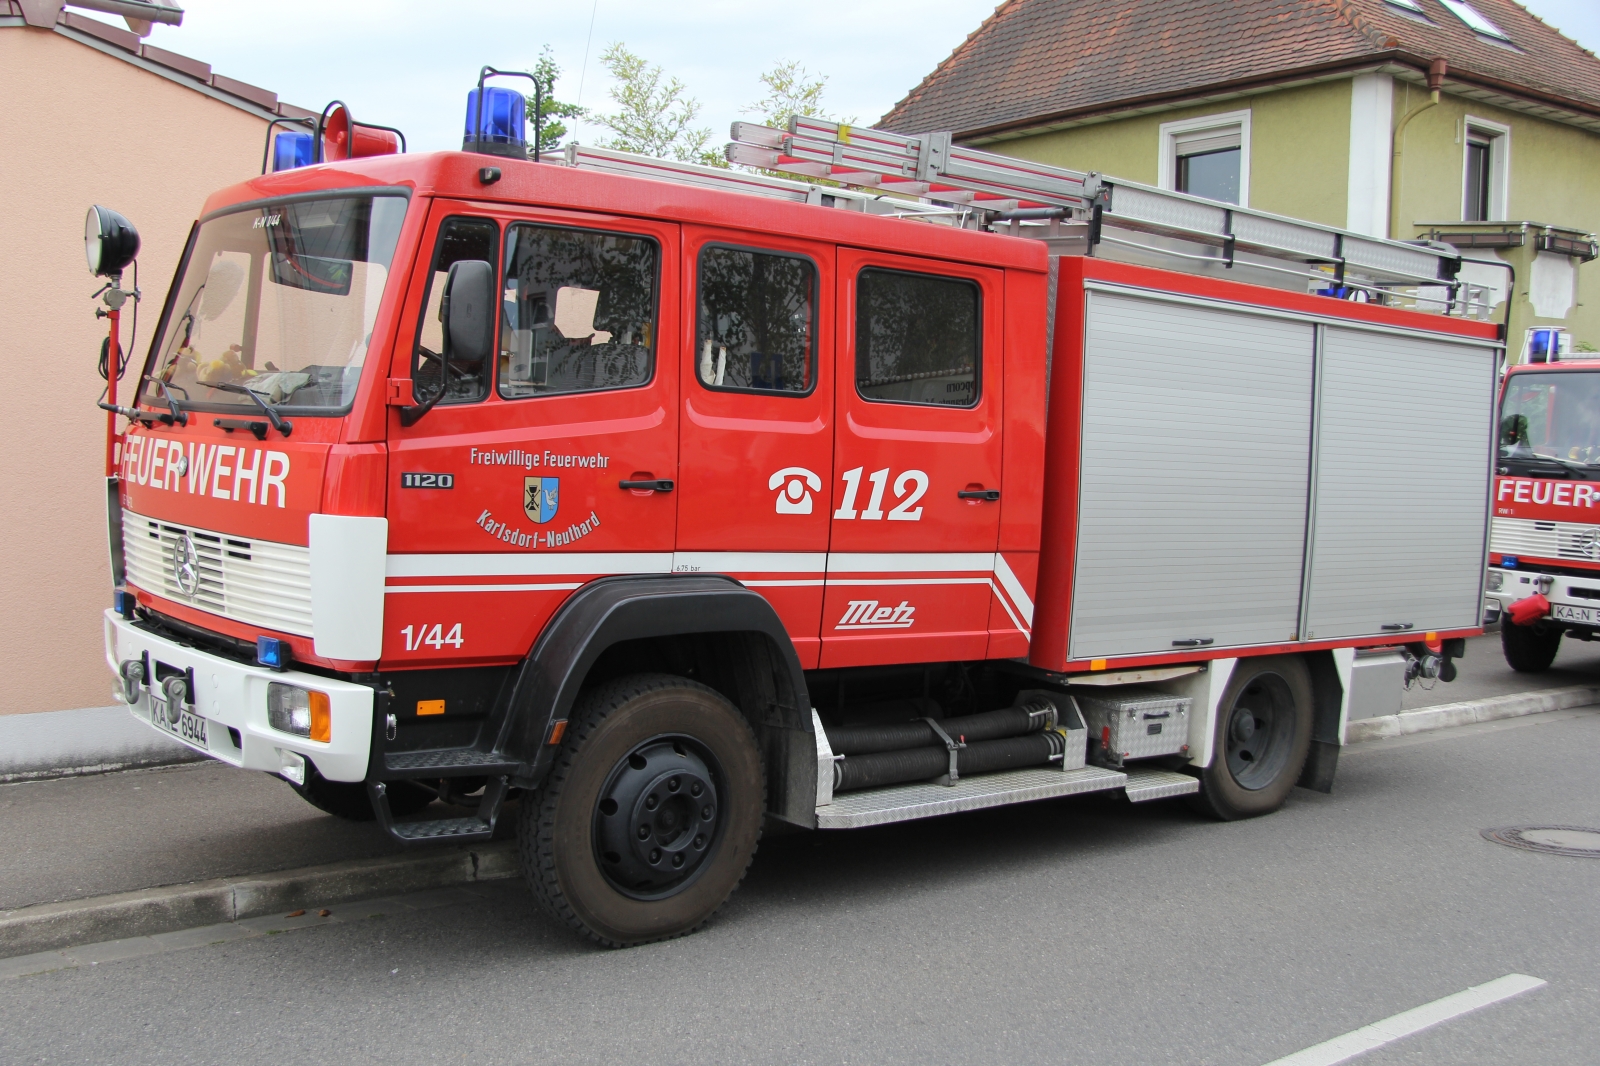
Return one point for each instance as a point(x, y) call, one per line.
point(232, 697)
point(1564, 589)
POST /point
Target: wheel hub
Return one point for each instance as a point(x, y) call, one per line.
point(657, 818)
point(1260, 732)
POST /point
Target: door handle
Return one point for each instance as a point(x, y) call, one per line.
point(1193, 642)
point(1397, 626)
point(660, 485)
point(978, 494)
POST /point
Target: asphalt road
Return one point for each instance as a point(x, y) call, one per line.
point(1071, 931)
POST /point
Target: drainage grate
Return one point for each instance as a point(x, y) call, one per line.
point(1575, 840)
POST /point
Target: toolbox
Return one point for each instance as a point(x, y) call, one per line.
point(1135, 723)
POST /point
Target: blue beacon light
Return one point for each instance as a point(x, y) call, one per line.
point(503, 125)
point(290, 150)
point(272, 652)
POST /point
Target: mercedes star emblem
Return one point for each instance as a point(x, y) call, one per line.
point(186, 565)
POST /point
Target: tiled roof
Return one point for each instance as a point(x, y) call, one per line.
point(170, 65)
point(1033, 62)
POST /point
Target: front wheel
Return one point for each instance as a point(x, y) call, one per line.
point(650, 816)
point(1529, 649)
point(1263, 734)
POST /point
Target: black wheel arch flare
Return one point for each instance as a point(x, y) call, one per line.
point(759, 671)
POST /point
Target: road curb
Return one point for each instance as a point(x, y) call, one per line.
point(1444, 716)
point(50, 926)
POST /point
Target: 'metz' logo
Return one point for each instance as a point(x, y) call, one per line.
point(866, 614)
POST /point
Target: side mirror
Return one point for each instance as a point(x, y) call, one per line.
point(468, 309)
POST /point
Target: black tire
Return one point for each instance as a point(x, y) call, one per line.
point(634, 751)
point(1263, 734)
point(349, 799)
point(1529, 649)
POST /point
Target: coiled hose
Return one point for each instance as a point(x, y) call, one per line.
point(920, 764)
point(1031, 717)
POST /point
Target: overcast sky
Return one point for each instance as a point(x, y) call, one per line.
point(410, 64)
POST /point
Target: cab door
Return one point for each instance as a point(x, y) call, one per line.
point(551, 466)
point(756, 432)
point(916, 470)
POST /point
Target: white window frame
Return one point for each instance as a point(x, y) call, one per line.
point(1168, 150)
point(1499, 137)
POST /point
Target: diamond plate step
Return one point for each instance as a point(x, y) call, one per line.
point(1148, 783)
point(444, 828)
point(902, 803)
point(455, 760)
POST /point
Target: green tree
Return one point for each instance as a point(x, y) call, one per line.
point(792, 90)
point(552, 110)
point(655, 115)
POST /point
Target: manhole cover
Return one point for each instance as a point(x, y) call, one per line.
point(1574, 840)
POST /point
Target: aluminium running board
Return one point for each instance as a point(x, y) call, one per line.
point(903, 803)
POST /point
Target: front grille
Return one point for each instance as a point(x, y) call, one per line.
point(1545, 540)
point(257, 582)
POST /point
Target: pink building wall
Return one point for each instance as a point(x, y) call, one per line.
point(80, 127)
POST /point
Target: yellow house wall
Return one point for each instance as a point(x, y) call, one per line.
point(80, 127)
point(1554, 177)
point(1299, 148)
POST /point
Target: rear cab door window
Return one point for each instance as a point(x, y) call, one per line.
point(756, 443)
point(917, 461)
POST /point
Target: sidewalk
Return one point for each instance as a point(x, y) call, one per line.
point(90, 836)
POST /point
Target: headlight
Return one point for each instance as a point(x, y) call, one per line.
point(1496, 580)
point(299, 711)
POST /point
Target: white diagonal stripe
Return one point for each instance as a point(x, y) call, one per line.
point(1013, 587)
point(1359, 1042)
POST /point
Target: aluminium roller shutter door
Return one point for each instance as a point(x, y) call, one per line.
point(1403, 471)
point(1195, 467)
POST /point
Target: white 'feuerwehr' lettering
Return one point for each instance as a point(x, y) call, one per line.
point(220, 471)
point(270, 480)
point(217, 470)
point(244, 473)
point(1564, 494)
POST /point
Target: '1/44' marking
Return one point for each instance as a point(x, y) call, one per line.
point(436, 637)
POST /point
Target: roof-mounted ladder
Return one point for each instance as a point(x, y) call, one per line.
point(929, 177)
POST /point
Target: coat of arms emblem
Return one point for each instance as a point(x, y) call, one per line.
point(541, 497)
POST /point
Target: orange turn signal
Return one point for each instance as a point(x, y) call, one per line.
point(321, 717)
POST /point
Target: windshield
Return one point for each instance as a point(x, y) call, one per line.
point(279, 300)
point(1556, 416)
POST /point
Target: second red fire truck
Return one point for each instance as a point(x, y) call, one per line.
point(670, 500)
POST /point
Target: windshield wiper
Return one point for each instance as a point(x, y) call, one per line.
point(279, 423)
point(1566, 466)
point(178, 415)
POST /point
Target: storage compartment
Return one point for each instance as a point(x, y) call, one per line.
point(1377, 681)
point(1135, 723)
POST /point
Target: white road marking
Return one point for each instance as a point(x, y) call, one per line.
point(1406, 1023)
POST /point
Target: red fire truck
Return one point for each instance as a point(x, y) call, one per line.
point(672, 499)
point(1544, 546)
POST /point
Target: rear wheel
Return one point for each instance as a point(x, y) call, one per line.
point(1529, 649)
point(1263, 733)
point(349, 799)
point(651, 814)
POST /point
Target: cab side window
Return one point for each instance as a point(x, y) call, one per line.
point(756, 321)
point(459, 239)
point(579, 311)
point(917, 338)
